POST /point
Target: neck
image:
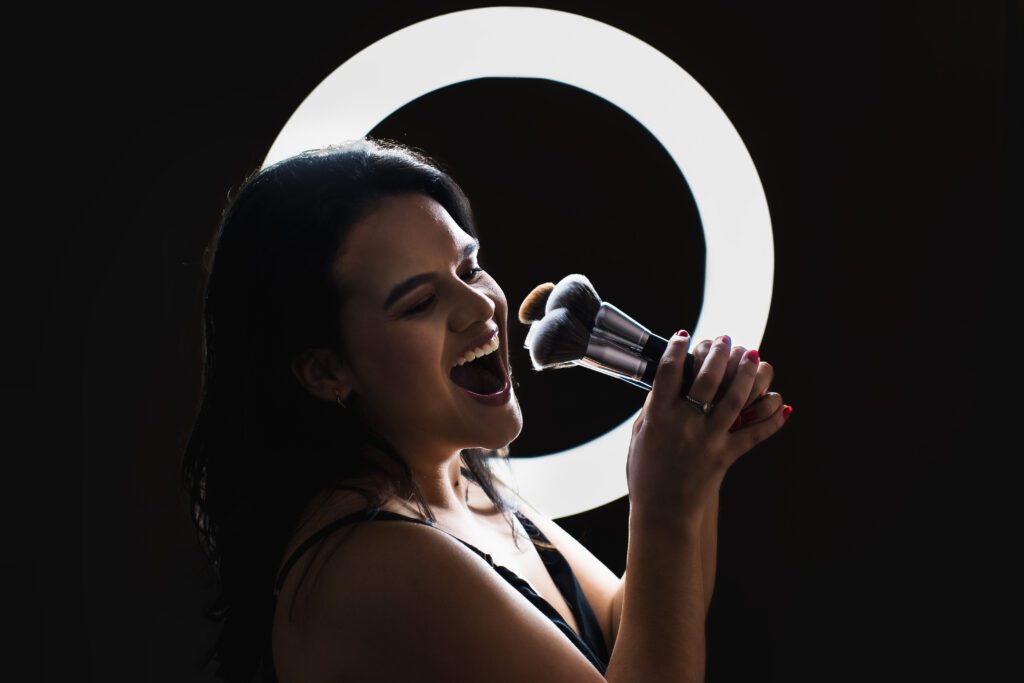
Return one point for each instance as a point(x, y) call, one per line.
point(444, 487)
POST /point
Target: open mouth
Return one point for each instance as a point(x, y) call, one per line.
point(481, 376)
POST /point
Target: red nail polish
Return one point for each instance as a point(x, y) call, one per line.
point(748, 414)
point(682, 333)
point(786, 411)
point(753, 356)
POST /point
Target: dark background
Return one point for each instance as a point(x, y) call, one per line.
point(866, 541)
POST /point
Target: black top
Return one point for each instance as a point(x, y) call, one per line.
point(589, 641)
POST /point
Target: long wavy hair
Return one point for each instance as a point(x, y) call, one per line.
point(262, 447)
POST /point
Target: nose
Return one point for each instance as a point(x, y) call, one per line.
point(473, 305)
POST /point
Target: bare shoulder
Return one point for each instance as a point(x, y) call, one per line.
point(403, 601)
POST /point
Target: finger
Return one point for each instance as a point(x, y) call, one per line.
point(705, 386)
point(728, 408)
point(730, 370)
point(639, 421)
point(668, 378)
point(700, 352)
point(748, 437)
point(757, 409)
point(762, 380)
point(760, 409)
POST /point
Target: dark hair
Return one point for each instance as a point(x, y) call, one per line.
point(262, 446)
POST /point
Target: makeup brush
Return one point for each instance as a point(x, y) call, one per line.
point(532, 307)
point(571, 325)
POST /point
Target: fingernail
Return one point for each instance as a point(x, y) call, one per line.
point(752, 355)
point(786, 411)
point(746, 415)
point(737, 422)
point(726, 339)
point(682, 333)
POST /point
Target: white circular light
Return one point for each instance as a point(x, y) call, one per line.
point(530, 42)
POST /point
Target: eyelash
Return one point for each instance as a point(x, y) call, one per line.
point(423, 305)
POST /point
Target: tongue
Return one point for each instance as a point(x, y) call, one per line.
point(476, 377)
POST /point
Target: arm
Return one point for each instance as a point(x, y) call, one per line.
point(660, 632)
point(617, 609)
point(708, 548)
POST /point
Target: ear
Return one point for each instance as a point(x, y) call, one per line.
point(322, 373)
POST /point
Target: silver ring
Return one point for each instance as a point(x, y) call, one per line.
point(702, 407)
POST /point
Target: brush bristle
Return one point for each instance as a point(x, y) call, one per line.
point(575, 293)
point(558, 340)
point(532, 308)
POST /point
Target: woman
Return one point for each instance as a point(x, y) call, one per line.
point(345, 285)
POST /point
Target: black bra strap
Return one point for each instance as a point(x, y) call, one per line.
point(371, 514)
point(365, 515)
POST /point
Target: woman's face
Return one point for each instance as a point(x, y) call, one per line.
point(402, 339)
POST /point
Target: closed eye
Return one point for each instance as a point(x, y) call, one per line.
point(425, 304)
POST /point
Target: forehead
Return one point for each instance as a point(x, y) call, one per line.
point(405, 235)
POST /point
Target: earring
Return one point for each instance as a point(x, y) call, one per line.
point(340, 402)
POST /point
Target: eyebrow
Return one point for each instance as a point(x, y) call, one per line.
point(404, 287)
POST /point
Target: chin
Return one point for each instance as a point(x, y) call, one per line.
point(499, 438)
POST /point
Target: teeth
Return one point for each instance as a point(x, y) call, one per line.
point(490, 347)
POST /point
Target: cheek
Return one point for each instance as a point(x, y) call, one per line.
point(408, 361)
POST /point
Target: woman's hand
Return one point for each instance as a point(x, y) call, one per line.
point(677, 455)
point(761, 403)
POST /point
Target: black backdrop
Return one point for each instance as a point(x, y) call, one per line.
point(866, 541)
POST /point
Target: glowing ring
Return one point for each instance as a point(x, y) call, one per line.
point(530, 42)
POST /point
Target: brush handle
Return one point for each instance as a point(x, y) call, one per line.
point(653, 350)
point(613, 324)
point(635, 362)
